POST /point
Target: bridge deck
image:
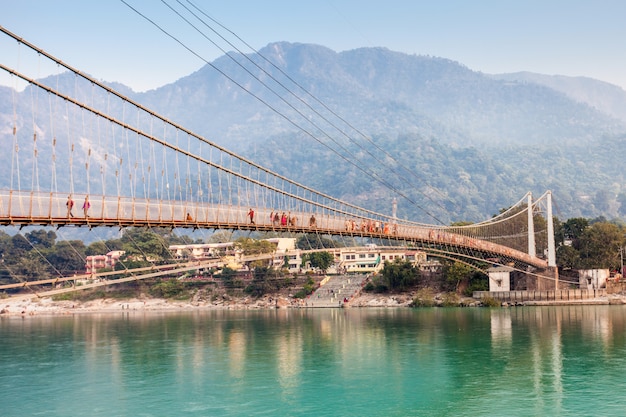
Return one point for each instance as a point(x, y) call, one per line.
point(48, 209)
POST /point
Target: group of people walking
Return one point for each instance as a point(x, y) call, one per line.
point(276, 219)
point(283, 219)
point(70, 206)
point(371, 226)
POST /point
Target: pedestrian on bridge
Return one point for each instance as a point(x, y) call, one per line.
point(251, 215)
point(70, 205)
point(86, 206)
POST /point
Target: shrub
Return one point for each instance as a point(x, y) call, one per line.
point(424, 298)
point(450, 299)
point(307, 289)
point(171, 288)
point(490, 302)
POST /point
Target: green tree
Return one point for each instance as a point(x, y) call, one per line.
point(314, 241)
point(399, 274)
point(96, 248)
point(41, 238)
point(264, 280)
point(567, 257)
point(321, 260)
point(456, 273)
point(574, 228)
point(222, 236)
point(251, 246)
point(67, 257)
point(32, 266)
point(600, 244)
point(144, 244)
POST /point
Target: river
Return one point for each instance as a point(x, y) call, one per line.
point(523, 361)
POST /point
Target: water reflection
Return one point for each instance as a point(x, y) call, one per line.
point(529, 359)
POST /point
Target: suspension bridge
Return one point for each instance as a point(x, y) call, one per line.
point(78, 153)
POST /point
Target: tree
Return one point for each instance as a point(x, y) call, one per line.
point(254, 247)
point(144, 244)
point(264, 280)
point(321, 260)
point(574, 228)
point(454, 274)
point(567, 257)
point(96, 248)
point(313, 241)
point(67, 257)
point(228, 276)
point(399, 274)
point(222, 236)
point(600, 244)
point(41, 238)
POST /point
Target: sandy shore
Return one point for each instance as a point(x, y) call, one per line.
point(46, 306)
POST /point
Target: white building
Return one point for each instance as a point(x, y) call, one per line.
point(368, 259)
point(202, 251)
point(592, 279)
point(500, 278)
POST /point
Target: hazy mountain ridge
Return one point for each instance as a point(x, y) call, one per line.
point(362, 84)
point(474, 142)
point(605, 97)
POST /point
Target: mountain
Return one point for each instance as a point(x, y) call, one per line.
point(607, 98)
point(379, 92)
point(370, 124)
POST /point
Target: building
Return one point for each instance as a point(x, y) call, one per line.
point(592, 279)
point(95, 262)
point(368, 259)
point(500, 278)
point(202, 251)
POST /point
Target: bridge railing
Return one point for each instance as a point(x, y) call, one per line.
point(49, 208)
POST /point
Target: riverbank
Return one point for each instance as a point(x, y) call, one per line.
point(47, 306)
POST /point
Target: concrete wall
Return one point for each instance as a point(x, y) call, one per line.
point(558, 295)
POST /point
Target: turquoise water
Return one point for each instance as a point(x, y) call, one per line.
point(529, 361)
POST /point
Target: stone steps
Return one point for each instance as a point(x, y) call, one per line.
point(335, 290)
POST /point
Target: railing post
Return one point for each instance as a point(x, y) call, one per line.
point(10, 203)
point(30, 205)
point(119, 203)
point(50, 206)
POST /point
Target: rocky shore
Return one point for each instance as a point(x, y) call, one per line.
point(47, 306)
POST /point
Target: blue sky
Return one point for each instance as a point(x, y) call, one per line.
point(108, 40)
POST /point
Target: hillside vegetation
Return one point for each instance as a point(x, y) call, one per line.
point(450, 143)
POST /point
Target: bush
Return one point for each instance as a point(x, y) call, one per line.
point(451, 299)
point(424, 298)
point(490, 302)
point(308, 288)
point(171, 288)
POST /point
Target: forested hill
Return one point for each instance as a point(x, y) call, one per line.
point(474, 143)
